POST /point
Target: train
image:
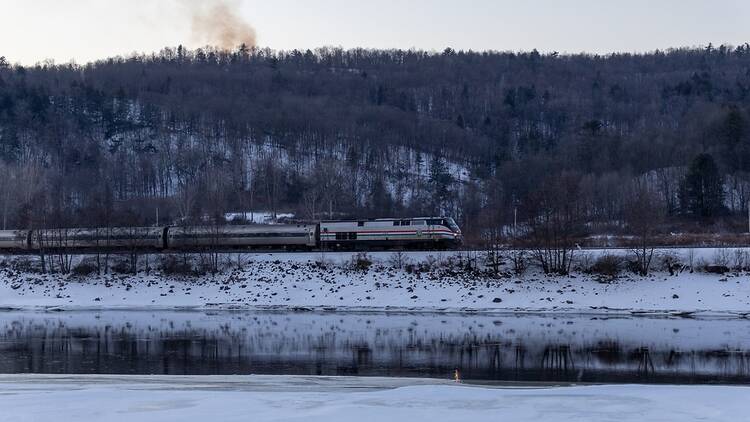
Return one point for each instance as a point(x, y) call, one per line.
point(368, 234)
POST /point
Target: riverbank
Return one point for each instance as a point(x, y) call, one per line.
point(420, 282)
point(287, 398)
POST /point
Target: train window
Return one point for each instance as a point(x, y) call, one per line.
point(353, 236)
point(396, 223)
point(360, 223)
point(405, 222)
point(435, 222)
point(418, 223)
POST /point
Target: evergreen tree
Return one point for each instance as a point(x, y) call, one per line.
point(460, 121)
point(440, 181)
point(733, 136)
point(381, 202)
point(702, 193)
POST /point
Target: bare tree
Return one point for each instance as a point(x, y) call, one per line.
point(62, 241)
point(310, 201)
point(134, 250)
point(493, 248)
point(643, 213)
point(555, 220)
point(398, 259)
point(216, 234)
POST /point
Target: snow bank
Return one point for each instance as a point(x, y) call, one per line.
point(327, 281)
point(74, 398)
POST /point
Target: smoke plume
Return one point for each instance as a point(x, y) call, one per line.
point(218, 23)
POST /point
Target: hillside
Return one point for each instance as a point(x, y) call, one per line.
point(571, 141)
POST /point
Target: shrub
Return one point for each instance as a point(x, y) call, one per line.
point(740, 260)
point(176, 265)
point(398, 260)
point(607, 265)
point(701, 264)
point(691, 259)
point(430, 262)
point(121, 266)
point(25, 265)
point(671, 262)
point(321, 264)
point(716, 269)
point(583, 262)
point(493, 259)
point(206, 264)
point(520, 262)
point(722, 257)
point(633, 265)
point(361, 262)
point(84, 268)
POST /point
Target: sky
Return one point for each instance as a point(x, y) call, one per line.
point(85, 30)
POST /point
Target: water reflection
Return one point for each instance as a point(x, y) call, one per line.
point(511, 348)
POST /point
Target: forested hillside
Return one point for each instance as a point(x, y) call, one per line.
point(583, 144)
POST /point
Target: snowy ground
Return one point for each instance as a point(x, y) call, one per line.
point(298, 280)
point(264, 398)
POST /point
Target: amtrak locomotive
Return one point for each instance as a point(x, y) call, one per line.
point(384, 233)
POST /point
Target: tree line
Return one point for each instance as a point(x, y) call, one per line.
point(514, 144)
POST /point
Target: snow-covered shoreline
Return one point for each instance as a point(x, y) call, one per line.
point(283, 398)
point(327, 282)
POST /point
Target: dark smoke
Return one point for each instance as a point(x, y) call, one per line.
point(218, 23)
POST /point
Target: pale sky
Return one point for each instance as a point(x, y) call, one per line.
point(84, 30)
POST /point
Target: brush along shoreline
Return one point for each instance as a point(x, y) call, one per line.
point(682, 283)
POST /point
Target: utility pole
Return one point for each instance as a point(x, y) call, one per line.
point(515, 218)
point(7, 200)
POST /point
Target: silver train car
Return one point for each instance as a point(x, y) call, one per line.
point(424, 232)
point(286, 236)
point(103, 238)
point(384, 233)
point(14, 239)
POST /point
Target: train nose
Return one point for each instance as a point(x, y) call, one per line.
point(459, 238)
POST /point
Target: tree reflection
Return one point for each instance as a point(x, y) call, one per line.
point(320, 345)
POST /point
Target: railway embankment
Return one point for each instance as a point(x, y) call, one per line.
point(707, 282)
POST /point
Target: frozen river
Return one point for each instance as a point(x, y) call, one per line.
point(482, 348)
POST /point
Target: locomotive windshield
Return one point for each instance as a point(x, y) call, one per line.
point(447, 222)
point(452, 225)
